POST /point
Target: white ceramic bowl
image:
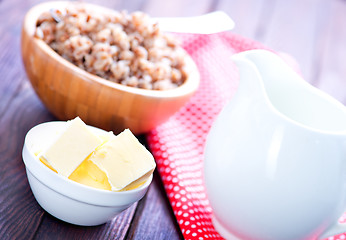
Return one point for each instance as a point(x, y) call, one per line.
point(65, 199)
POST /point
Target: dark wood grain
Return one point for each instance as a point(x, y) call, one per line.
point(20, 215)
point(52, 228)
point(313, 32)
point(20, 110)
point(160, 216)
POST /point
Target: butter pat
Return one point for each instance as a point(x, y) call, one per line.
point(124, 160)
point(72, 147)
point(90, 175)
point(103, 161)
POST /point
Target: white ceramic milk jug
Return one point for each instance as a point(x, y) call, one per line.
point(275, 158)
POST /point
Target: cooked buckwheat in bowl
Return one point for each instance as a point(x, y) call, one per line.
point(124, 48)
point(114, 69)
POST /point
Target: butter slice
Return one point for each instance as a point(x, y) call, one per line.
point(74, 145)
point(90, 175)
point(124, 160)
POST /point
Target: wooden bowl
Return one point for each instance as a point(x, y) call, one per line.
point(69, 91)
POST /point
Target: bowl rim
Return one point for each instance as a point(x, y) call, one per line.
point(190, 85)
point(41, 173)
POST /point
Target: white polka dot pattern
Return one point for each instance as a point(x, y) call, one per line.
point(178, 144)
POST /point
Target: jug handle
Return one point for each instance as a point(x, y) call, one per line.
point(333, 230)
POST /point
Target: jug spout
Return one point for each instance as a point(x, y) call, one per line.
point(265, 76)
point(250, 83)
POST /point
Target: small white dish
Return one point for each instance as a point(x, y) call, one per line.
point(65, 199)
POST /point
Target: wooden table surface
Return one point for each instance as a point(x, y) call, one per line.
point(312, 31)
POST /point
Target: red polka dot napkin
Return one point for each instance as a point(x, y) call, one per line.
point(178, 144)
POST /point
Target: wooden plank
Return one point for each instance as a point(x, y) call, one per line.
point(20, 215)
point(294, 28)
point(53, 228)
point(176, 8)
point(9, 76)
point(133, 5)
point(154, 216)
point(330, 64)
point(249, 16)
point(114, 4)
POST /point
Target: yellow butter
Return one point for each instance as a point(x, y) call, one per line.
point(125, 161)
point(87, 174)
point(90, 175)
point(105, 161)
point(71, 148)
point(44, 161)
